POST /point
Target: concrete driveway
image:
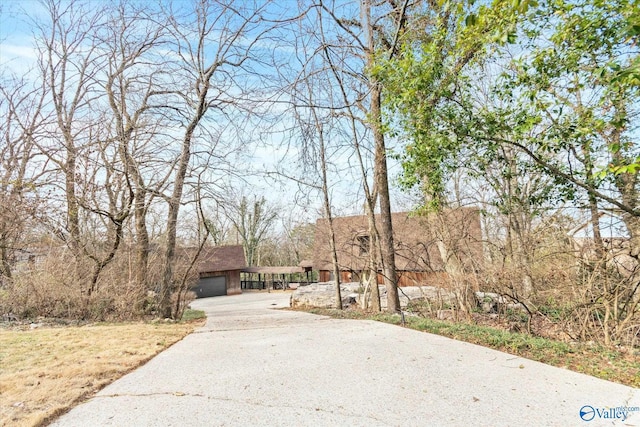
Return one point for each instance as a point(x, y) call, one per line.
point(255, 366)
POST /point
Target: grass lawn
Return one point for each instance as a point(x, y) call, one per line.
point(617, 365)
point(47, 370)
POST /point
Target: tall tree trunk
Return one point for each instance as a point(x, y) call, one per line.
point(167, 285)
point(373, 258)
point(517, 227)
point(593, 203)
point(73, 221)
point(222, 37)
point(142, 240)
point(387, 250)
point(327, 210)
point(371, 197)
point(334, 259)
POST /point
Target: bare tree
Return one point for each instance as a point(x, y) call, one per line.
point(313, 107)
point(354, 42)
point(251, 219)
point(69, 61)
point(134, 84)
point(217, 224)
point(370, 192)
point(21, 108)
point(214, 41)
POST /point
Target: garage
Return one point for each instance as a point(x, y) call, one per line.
point(219, 270)
point(211, 287)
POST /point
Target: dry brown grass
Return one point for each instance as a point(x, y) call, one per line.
point(45, 371)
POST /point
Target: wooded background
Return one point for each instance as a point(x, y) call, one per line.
point(130, 130)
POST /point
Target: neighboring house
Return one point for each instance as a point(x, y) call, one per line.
point(418, 246)
point(219, 270)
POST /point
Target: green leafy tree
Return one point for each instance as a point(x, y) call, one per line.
point(423, 81)
point(567, 95)
point(564, 97)
point(572, 109)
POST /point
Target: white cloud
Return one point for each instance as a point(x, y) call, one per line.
point(8, 50)
point(19, 59)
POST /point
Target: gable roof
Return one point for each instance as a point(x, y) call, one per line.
point(221, 258)
point(415, 240)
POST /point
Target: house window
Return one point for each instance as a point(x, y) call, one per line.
point(364, 244)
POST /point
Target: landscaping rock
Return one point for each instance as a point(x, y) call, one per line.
point(491, 302)
point(322, 295)
point(431, 294)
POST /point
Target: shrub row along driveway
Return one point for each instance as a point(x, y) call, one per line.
point(252, 365)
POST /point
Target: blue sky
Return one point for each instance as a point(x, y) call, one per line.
point(276, 149)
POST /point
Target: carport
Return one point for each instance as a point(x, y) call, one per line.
point(282, 277)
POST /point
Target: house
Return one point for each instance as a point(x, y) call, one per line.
point(219, 271)
point(417, 241)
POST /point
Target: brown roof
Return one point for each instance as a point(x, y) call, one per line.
point(415, 239)
point(221, 258)
point(306, 263)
